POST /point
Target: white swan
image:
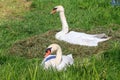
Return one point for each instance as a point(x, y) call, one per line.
point(57, 61)
point(73, 37)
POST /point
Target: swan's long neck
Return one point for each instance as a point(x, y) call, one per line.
point(58, 56)
point(64, 22)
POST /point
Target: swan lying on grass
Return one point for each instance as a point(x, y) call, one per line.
point(73, 37)
point(58, 61)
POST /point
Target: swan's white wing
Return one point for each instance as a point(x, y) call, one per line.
point(66, 61)
point(81, 38)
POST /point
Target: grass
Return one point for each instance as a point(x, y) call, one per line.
point(21, 28)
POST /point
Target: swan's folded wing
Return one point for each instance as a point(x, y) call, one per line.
point(66, 61)
point(80, 38)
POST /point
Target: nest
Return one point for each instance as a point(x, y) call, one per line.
point(35, 46)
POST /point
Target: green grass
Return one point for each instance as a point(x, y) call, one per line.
point(86, 15)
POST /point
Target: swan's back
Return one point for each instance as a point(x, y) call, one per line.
point(80, 38)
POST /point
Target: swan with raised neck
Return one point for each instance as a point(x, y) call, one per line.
point(78, 38)
point(60, 9)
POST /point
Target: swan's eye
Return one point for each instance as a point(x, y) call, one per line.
point(54, 8)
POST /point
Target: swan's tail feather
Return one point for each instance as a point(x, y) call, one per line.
point(105, 39)
point(102, 36)
point(70, 55)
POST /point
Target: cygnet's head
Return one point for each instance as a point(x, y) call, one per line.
point(57, 9)
point(51, 48)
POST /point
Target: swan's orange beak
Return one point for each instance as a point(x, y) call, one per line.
point(48, 52)
point(53, 12)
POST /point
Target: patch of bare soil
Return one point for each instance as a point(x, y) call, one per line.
point(13, 8)
point(35, 46)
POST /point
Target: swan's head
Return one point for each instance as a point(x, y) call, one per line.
point(51, 49)
point(57, 9)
